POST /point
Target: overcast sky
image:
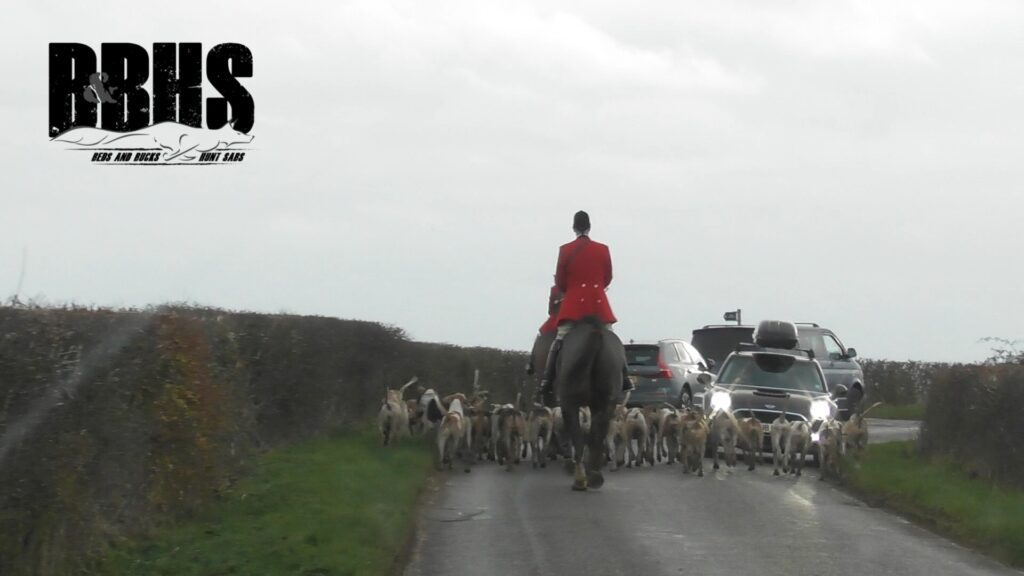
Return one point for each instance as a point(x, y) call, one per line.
point(857, 164)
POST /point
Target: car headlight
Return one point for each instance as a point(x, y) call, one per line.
point(820, 409)
point(721, 400)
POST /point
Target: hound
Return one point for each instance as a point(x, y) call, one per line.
point(796, 446)
point(412, 408)
point(558, 436)
point(585, 420)
point(724, 432)
point(635, 428)
point(538, 433)
point(830, 446)
point(669, 430)
point(616, 445)
point(855, 431)
point(693, 437)
point(447, 400)
point(480, 431)
point(652, 415)
point(511, 430)
point(452, 434)
point(750, 435)
point(393, 418)
point(495, 447)
point(431, 410)
point(780, 431)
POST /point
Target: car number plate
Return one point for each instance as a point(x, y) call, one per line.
point(766, 428)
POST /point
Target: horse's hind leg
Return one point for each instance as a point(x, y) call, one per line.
point(598, 433)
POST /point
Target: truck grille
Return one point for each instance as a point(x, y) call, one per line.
point(768, 416)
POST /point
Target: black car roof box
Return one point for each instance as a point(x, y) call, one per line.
point(776, 334)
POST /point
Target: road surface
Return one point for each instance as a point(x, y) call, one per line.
point(891, 430)
point(655, 521)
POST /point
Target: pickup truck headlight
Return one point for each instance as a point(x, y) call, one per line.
point(721, 400)
point(820, 409)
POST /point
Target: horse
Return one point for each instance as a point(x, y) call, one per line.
point(589, 373)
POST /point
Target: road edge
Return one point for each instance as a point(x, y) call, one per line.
point(922, 518)
point(413, 538)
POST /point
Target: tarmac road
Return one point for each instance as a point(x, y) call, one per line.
point(891, 430)
point(656, 520)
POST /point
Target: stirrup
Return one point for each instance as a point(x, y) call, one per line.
point(627, 384)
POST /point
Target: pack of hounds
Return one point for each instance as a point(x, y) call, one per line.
point(472, 430)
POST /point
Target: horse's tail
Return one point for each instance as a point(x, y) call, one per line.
point(595, 342)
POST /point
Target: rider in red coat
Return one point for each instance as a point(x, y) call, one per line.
point(583, 273)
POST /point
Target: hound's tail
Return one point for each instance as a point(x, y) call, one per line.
point(401, 390)
point(870, 408)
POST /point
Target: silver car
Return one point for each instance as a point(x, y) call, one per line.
point(670, 371)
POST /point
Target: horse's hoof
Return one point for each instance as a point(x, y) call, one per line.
point(543, 464)
point(776, 473)
point(466, 470)
point(579, 486)
point(715, 467)
point(751, 468)
point(700, 474)
point(595, 479)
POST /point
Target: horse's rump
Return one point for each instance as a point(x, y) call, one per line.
point(584, 362)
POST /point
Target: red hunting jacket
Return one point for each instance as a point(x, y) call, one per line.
point(584, 271)
point(554, 300)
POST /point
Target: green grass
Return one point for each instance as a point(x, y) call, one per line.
point(336, 506)
point(898, 412)
point(943, 497)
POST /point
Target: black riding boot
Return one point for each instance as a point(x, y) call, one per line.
point(546, 390)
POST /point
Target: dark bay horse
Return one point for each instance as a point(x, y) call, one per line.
point(589, 373)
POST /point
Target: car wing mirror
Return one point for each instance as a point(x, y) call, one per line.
point(704, 379)
point(839, 391)
point(711, 363)
point(851, 352)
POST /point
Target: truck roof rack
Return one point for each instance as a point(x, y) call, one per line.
point(812, 324)
point(727, 326)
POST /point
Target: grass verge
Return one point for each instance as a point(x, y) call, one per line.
point(898, 412)
point(943, 497)
point(335, 506)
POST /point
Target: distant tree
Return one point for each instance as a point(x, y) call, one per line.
point(1004, 351)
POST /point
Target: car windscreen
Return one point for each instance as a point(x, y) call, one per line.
point(641, 355)
point(772, 371)
point(718, 343)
